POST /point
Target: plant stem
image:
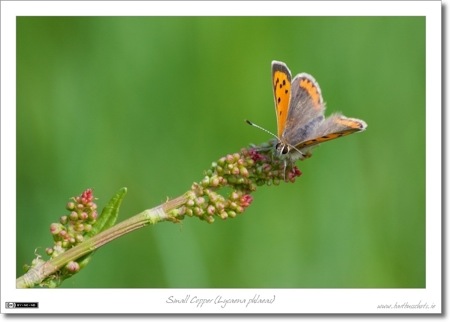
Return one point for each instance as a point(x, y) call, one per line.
point(150, 216)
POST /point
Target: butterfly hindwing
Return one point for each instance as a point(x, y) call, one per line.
point(333, 127)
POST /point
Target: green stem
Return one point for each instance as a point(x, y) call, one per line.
point(150, 216)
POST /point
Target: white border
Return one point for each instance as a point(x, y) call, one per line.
point(287, 300)
point(217, 8)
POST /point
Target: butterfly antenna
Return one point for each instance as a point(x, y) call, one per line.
point(261, 128)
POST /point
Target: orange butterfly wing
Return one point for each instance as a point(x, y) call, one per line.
point(334, 127)
point(281, 82)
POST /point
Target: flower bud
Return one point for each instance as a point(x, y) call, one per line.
point(73, 267)
point(70, 206)
point(55, 228)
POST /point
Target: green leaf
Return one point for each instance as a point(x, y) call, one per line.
point(106, 220)
point(109, 214)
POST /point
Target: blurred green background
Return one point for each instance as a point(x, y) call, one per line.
point(149, 102)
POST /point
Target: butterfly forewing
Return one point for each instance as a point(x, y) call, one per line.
point(281, 83)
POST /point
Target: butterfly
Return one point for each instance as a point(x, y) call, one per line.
point(300, 113)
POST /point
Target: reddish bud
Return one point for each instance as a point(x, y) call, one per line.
point(55, 228)
point(211, 210)
point(246, 200)
point(93, 215)
point(73, 267)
